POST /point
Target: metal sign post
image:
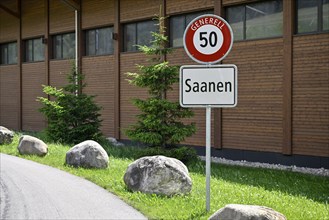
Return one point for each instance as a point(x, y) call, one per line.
point(207, 40)
point(208, 86)
point(208, 156)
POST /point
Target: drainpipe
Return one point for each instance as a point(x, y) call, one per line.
point(76, 49)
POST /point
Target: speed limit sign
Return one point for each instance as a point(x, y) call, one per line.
point(208, 39)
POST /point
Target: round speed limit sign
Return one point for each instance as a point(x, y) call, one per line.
point(208, 39)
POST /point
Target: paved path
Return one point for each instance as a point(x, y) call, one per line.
point(29, 190)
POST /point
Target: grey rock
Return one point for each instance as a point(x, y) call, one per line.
point(246, 212)
point(6, 135)
point(32, 146)
point(159, 175)
point(88, 154)
point(115, 142)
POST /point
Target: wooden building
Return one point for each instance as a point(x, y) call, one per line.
point(281, 49)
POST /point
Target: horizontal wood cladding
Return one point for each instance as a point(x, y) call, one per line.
point(58, 71)
point(97, 13)
point(9, 96)
point(33, 77)
point(131, 10)
point(128, 111)
point(256, 122)
point(178, 7)
point(8, 30)
point(179, 57)
point(311, 95)
point(33, 18)
point(62, 17)
point(99, 77)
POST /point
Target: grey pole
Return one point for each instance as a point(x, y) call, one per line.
point(208, 155)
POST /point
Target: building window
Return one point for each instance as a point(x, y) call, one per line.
point(64, 46)
point(312, 16)
point(178, 24)
point(256, 20)
point(99, 41)
point(34, 50)
point(138, 33)
point(8, 53)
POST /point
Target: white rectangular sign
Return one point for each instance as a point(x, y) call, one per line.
point(208, 86)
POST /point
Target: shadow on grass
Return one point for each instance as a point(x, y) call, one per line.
point(309, 186)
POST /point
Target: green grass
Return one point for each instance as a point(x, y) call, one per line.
point(297, 196)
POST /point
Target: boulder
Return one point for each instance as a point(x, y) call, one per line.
point(32, 146)
point(88, 154)
point(6, 135)
point(159, 175)
point(247, 212)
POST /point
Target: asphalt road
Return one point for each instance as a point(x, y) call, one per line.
point(29, 190)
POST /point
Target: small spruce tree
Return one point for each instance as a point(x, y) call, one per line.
point(159, 124)
point(72, 116)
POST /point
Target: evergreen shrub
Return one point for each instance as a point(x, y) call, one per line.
point(72, 115)
point(160, 123)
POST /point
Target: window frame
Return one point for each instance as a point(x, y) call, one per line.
point(26, 50)
point(53, 46)
point(205, 11)
point(2, 45)
point(319, 19)
point(86, 39)
point(244, 22)
point(124, 42)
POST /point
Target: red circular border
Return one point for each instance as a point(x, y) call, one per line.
point(210, 58)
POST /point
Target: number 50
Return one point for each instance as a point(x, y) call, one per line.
point(211, 39)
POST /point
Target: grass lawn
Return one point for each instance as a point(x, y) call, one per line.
point(297, 196)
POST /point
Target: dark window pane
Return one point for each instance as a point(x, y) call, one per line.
point(104, 41)
point(264, 19)
point(177, 27)
point(144, 29)
point(99, 41)
point(325, 15)
point(38, 50)
point(68, 46)
point(130, 37)
point(58, 47)
point(12, 53)
point(29, 51)
point(307, 16)
point(4, 54)
point(34, 50)
point(235, 17)
point(109, 40)
point(64, 46)
point(90, 43)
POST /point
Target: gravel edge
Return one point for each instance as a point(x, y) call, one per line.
point(306, 170)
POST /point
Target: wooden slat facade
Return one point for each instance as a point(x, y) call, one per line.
point(128, 111)
point(33, 78)
point(9, 93)
point(311, 95)
point(99, 77)
point(256, 122)
point(103, 17)
point(283, 87)
point(33, 18)
point(61, 17)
